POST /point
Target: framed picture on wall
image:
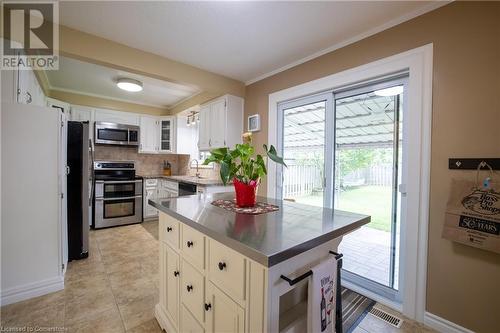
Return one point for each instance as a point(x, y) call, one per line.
point(254, 123)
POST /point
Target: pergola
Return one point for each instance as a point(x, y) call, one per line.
point(360, 121)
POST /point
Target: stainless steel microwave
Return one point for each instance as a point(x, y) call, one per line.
point(116, 134)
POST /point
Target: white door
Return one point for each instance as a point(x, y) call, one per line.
point(150, 211)
point(223, 314)
point(188, 323)
point(24, 87)
point(63, 211)
point(149, 135)
point(172, 285)
point(204, 128)
point(218, 124)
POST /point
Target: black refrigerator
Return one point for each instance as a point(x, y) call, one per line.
point(80, 184)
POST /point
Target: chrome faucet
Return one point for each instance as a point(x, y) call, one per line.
point(197, 167)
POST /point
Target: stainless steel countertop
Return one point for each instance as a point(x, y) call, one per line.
point(266, 238)
point(189, 179)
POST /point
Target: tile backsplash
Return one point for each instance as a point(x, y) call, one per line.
point(152, 164)
point(186, 169)
point(146, 164)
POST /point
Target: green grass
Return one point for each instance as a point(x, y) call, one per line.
point(375, 201)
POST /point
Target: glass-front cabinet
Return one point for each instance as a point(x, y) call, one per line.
point(167, 134)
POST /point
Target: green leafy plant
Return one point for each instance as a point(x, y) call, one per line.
point(242, 163)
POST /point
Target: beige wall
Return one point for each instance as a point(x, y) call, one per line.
point(462, 282)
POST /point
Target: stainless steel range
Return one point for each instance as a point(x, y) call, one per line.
point(118, 194)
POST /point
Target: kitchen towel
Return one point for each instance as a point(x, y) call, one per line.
point(321, 297)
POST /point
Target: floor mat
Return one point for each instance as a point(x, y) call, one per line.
point(354, 309)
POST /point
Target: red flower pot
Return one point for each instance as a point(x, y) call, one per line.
point(245, 193)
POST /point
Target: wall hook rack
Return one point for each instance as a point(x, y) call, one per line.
point(473, 163)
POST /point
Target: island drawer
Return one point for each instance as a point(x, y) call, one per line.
point(169, 231)
point(193, 291)
point(226, 269)
point(193, 246)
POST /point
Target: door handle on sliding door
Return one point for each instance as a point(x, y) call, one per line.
point(402, 189)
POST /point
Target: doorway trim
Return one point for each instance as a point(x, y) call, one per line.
point(418, 63)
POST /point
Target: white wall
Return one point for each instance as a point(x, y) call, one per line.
point(8, 85)
point(187, 137)
point(30, 234)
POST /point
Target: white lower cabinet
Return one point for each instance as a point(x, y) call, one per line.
point(224, 314)
point(218, 289)
point(150, 193)
point(188, 323)
point(212, 297)
point(193, 291)
point(172, 273)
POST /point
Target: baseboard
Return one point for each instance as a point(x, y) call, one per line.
point(163, 320)
point(443, 325)
point(30, 290)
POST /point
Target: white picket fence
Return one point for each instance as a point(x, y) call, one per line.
point(379, 175)
point(301, 180)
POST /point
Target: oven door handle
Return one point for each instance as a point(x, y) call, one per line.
point(119, 198)
point(120, 181)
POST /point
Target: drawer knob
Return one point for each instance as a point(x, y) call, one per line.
point(189, 243)
point(189, 288)
point(222, 265)
point(169, 229)
point(176, 273)
point(208, 306)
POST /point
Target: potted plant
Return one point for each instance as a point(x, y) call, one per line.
point(244, 168)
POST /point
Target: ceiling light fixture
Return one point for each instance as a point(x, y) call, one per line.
point(392, 91)
point(129, 85)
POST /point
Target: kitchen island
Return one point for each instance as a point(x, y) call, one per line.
point(220, 271)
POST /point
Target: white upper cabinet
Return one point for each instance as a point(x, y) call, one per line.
point(221, 123)
point(57, 104)
point(119, 117)
point(149, 134)
point(218, 124)
point(28, 90)
point(157, 135)
point(167, 135)
point(204, 128)
point(83, 113)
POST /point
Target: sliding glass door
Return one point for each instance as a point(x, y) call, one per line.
point(344, 149)
point(303, 144)
point(368, 158)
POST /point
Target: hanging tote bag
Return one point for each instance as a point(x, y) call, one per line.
point(473, 213)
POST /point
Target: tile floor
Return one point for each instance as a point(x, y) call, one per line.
point(116, 289)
